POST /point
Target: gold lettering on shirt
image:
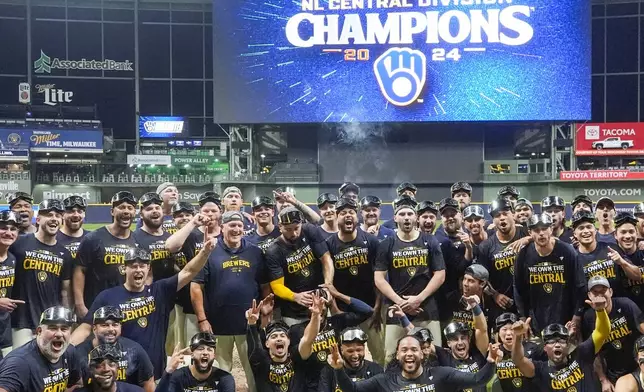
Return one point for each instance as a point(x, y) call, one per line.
point(567, 377)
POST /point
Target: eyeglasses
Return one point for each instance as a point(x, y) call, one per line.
point(8, 217)
point(556, 340)
point(150, 198)
point(107, 313)
point(262, 201)
point(327, 198)
point(290, 217)
point(183, 206)
point(110, 352)
point(57, 315)
point(370, 201)
point(212, 197)
point(134, 254)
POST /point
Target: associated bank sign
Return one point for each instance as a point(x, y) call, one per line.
point(45, 64)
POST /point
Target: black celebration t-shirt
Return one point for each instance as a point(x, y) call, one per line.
point(576, 375)
point(162, 262)
point(7, 279)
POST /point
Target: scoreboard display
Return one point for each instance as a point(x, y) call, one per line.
point(305, 61)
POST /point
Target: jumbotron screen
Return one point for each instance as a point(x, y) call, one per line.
point(281, 61)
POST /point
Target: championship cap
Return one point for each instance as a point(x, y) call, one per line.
point(639, 346)
point(423, 334)
point(598, 280)
point(454, 329)
point(504, 319)
point(327, 198)
point(581, 217)
point(162, 187)
point(477, 271)
point(232, 216)
point(150, 198)
point(123, 197)
point(448, 203)
point(638, 209)
point(16, 197)
point(137, 255)
point(473, 211)
point(8, 217)
point(262, 201)
point(73, 201)
point(102, 352)
point(48, 205)
point(203, 339)
point(426, 205)
point(553, 201)
point(509, 190)
point(183, 206)
point(232, 189)
point(461, 187)
point(498, 206)
point(582, 199)
point(349, 187)
point(553, 331)
point(290, 215)
point(353, 335)
point(623, 218)
point(370, 201)
point(57, 315)
point(405, 200)
point(209, 197)
point(523, 202)
point(539, 220)
point(405, 186)
point(275, 326)
point(605, 201)
point(345, 203)
point(107, 313)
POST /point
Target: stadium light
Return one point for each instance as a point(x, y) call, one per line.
point(169, 165)
point(153, 165)
point(186, 166)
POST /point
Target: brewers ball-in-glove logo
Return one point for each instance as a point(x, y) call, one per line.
point(353, 270)
point(411, 271)
point(401, 74)
point(547, 288)
point(517, 382)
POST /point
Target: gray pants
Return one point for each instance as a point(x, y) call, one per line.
point(224, 352)
point(21, 336)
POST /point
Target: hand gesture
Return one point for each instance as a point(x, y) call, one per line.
point(248, 216)
point(318, 306)
point(494, 353)
point(335, 360)
point(373, 229)
point(286, 196)
point(331, 289)
point(304, 299)
point(9, 305)
point(200, 220)
point(395, 311)
point(517, 245)
point(471, 301)
point(204, 326)
point(176, 360)
point(252, 314)
point(597, 302)
point(521, 328)
point(267, 304)
point(465, 238)
point(411, 304)
point(615, 256)
point(209, 245)
point(503, 301)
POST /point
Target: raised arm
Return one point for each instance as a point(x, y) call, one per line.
point(520, 329)
point(175, 242)
point(195, 265)
point(313, 328)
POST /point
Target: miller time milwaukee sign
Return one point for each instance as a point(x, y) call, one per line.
point(45, 64)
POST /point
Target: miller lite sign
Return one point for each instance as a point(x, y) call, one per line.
point(24, 93)
point(54, 96)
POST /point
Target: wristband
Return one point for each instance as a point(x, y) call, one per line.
point(477, 310)
point(201, 321)
point(404, 321)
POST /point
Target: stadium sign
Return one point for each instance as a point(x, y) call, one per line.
point(600, 175)
point(46, 64)
point(149, 159)
point(194, 160)
point(14, 155)
point(90, 194)
point(609, 139)
point(74, 141)
point(10, 187)
point(52, 95)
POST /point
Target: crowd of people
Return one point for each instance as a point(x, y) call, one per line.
point(527, 302)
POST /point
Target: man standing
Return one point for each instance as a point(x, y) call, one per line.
point(43, 272)
point(326, 205)
point(605, 214)
point(151, 237)
point(549, 283)
point(462, 192)
point(146, 308)
point(509, 192)
point(134, 367)
point(298, 262)
point(21, 203)
point(45, 363)
point(370, 210)
point(99, 261)
point(427, 212)
point(232, 200)
point(230, 281)
point(104, 368)
point(266, 231)
point(349, 190)
point(581, 203)
point(406, 189)
point(169, 196)
point(523, 211)
point(8, 235)
point(409, 271)
point(626, 235)
point(72, 232)
point(354, 256)
point(555, 207)
point(474, 222)
point(189, 238)
point(288, 199)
